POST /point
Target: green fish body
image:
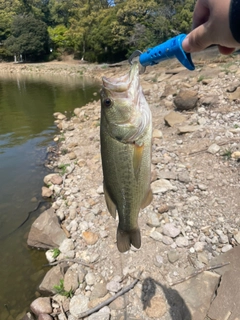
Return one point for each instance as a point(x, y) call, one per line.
point(126, 142)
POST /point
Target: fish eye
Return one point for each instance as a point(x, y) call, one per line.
point(107, 102)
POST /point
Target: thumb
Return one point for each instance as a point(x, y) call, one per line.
point(197, 40)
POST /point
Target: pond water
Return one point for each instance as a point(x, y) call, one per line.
point(27, 104)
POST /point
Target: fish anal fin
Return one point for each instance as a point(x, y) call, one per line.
point(147, 200)
point(126, 238)
point(110, 204)
point(137, 157)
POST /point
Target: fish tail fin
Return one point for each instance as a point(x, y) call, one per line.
point(126, 238)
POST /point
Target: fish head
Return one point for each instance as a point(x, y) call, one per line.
point(123, 106)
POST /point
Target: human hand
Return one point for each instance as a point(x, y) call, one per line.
point(211, 25)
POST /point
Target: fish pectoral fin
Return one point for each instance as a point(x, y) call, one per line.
point(126, 238)
point(110, 204)
point(147, 200)
point(137, 157)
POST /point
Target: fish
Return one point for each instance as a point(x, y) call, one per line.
point(126, 151)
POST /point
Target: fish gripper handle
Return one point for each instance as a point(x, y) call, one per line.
point(172, 48)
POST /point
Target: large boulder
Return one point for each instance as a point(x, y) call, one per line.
point(51, 280)
point(46, 232)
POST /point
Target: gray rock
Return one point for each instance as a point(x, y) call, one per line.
point(186, 99)
point(237, 237)
point(209, 100)
point(72, 155)
point(66, 245)
point(113, 286)
point(169, 175)
point(45, 232)
point(51, 279)
point(182, 242)
point(102, 314)
point(226, 248)
point(71, 279)
point(81, 274)
point(167, 240)
point(226, 303)
point(78, 304)
point(202, 187)
point(41, 305)
point(157, 308)
point(99, 291)
point(52, 176)
point(158, 261)
point(198, 293)
point(46, 192)
point(50, 255)
point(223, 238)
point(170, 230)
point(187, 129)
point(161, 186)
point(199, 246)
point(90, 278)
point(173, 256)
point(157, 134)
point(183, 176)
point(173, 118)
point(153, 220)
point(213, 148)
point(156, 235)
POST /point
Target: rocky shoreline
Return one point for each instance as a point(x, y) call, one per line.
point(192, 224)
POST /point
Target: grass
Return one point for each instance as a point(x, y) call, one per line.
point(63, 167)
point(104, 66)
point(56, 252)
point(154, 79)
point(64, 151)
point(62, 138)
point(200, 78)
point(227, 153)
point(60, 290)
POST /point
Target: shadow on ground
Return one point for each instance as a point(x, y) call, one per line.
point(178, 309)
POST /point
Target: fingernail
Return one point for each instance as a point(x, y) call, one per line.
point(185, 45)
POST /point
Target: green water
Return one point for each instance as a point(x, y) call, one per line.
point(27, 105)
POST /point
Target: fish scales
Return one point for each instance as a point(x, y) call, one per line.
point(126, 161)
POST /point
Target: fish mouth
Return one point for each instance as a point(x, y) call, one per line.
point(124, 83)
point(126, 90)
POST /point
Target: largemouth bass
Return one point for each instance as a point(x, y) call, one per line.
point(126, 143)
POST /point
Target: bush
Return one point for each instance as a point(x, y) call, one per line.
point(5, 55)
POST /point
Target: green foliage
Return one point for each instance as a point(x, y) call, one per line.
point(227, 153)
point(63, 168)
point(29, 37)
point(8, 9)
point(56, 252)
point(101, 31)
point(60, 290)
point(58, 37)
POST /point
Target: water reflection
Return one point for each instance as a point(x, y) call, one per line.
point(27, 105)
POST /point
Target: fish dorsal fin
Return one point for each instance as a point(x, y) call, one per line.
point(137, 158)
point(147, 200)
point(110, 204)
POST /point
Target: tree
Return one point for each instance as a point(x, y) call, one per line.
point(8, 9)
point(29, 37)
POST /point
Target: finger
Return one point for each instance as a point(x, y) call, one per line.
point(225, 50)
point(198, 39)
point(201, 13)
